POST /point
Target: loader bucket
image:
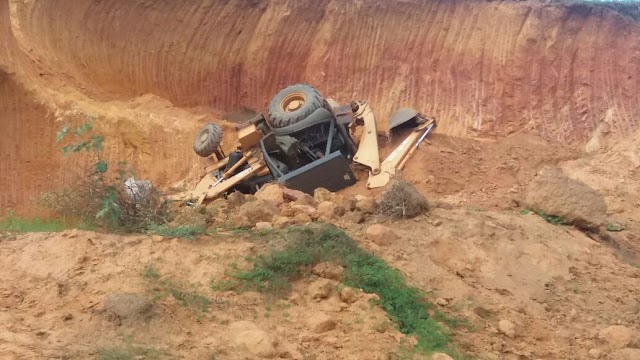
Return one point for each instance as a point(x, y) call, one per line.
point(401, 116)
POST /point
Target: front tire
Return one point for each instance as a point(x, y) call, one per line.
point(208, 140)
point(293, 104)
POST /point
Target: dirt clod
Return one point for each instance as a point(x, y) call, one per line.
point(302, 219)
point(329, 271)
point(507, 328)
point(320, 289)
point(272, 194)
point(297, 196)
point(553, 193)
point(264, 226)
point(330, 210)
point(348, 295)
point(321, 195)
point(320, 323)
point(595, 353)
point(617, 336)
point(366, 205)
point(355, 217)
point(255, 212)
point(381, 234)
point(127, 306)
point(255, 340)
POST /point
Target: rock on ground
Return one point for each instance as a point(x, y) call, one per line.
point(595, 353)
point(255, 212)
point(281, 222)
point(128, 306)
point(256, 341)
point(355, 217)
point(508, 328)
point(553, 193)
point(271, 193)
point(264, 226)
point(348, 295)
point(320, 289)
point(302, 219)
point(306, 209)
point(320, 323)
point(330, 210)
point(617, 336)
point(321, 195)
point(381, 234)
point(297, 196)
point(366, 205)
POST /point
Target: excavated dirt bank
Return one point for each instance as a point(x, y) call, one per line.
point(153, 72)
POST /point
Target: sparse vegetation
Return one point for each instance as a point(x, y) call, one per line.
point(615, 227)
point(306, 246)
point(182, 231)
point(102, 195)
point(402, 200)
point(129, 351)
point(551, 219)
point(184, 293)
point(19, 224)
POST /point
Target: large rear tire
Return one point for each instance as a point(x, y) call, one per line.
point(208, 140)
point(293, 104)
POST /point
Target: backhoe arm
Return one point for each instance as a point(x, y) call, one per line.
point(368, 153)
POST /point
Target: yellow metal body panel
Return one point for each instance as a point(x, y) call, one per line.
point(249, 136)
point(368, 153)
point(390, 164)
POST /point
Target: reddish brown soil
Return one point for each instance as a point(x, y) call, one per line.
point(514, 85)
point(488, 68)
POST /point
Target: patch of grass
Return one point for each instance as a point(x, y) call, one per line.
point(150, 272)
point(615, 227)
point(183, 231)
point(551, 219)
point(129, 351)
point(190, 299)
point(14, 223)
point(185, 297)
point(453, 322)
point(306, 246)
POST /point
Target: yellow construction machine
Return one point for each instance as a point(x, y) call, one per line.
point(305, 142)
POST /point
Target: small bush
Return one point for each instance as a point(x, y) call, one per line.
point(402, 200)
point(102, 195)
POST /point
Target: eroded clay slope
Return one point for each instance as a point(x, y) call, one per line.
point(154, 71)
point(492, 67)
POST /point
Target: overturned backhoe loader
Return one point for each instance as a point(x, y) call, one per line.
point(304, 142)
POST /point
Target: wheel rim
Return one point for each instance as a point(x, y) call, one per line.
point(293, 102)
point(203, 137)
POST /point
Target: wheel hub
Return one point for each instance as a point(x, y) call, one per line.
point(293, 102)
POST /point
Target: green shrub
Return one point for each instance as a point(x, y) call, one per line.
point(97, 195)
